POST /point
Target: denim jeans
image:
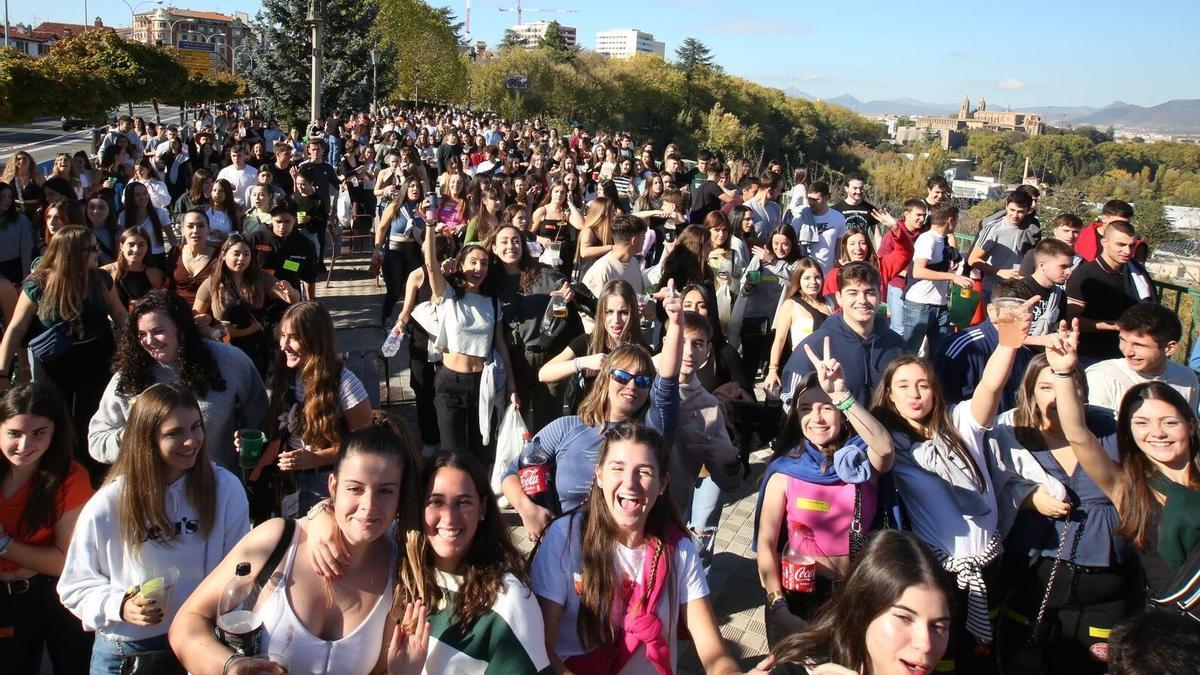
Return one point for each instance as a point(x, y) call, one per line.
point(705, 514)
point(921, 321)
point(895, 305)
point(107, 653)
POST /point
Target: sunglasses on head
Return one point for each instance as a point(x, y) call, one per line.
point(622, 377)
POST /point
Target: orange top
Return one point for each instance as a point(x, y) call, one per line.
point(74, 493)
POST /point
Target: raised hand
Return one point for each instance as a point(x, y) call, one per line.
point(410, 641)
point(672, 303)
point(829, 372)
point(1061, 352)
point(1013, 322)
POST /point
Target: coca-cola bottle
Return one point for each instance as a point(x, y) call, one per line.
point(535, 467)
point(238, 624)
point(798, 569)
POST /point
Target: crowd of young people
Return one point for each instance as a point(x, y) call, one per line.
point(941, 497)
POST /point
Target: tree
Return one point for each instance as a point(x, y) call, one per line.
point(555, 44)
point(131, 71)
point(1152, 223)
point(512, 39)
point(451, 19)
point(725, 133)
point(281, 70)
point(422, 51)
point(692, 54)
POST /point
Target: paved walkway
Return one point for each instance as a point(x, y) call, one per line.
point(737, 596)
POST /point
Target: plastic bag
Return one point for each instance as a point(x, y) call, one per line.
point(510, 441)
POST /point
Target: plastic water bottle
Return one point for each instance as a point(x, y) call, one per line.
point(238, 625)
point(391, 346)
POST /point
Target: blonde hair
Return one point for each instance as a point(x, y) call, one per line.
point(64, 275)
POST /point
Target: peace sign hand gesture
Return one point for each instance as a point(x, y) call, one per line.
point(829, 373)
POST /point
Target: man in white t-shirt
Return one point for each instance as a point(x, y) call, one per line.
point(621, 262)
point(239, 174)
point(1150, 333)
point(926, 311)
point(819, 227)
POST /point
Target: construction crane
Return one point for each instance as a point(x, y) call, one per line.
point(521, 11)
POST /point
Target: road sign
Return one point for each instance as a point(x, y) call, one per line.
point(193, 45)
point(517, 82)
point(196, 60)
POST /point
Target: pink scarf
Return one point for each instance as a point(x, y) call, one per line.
point(640, 625)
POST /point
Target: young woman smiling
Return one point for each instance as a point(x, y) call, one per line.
point(42, 490)
point(236, 295)
point(315, 401)
point(633, 390)
point(941, 471)
point(161, 343)
point(132, 276)
point(801, 312)
point(1155, 482)
point(469, 329)
point(320, 624)
point(818, 490)
point(891, 617)
point(166, 515)
point(616, 578)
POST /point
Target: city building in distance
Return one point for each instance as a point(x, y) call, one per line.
point(982, 118)
point(531, 34)
point(172, 26)
point(624, 43)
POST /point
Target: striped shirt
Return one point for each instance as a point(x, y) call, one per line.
point(509, 639)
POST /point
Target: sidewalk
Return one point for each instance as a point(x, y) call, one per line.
point(736, 594)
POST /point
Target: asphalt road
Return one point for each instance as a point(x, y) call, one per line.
point(45, 139)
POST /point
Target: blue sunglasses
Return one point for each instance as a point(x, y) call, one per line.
point(622, 377)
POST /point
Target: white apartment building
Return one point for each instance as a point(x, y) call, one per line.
point(623, 43)
point(532, 33)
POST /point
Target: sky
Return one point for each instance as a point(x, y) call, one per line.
point(1019, 53)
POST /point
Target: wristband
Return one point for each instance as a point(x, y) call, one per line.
point(773, 368)
point(774, 598)
point(846, 403)
point(1062, 374)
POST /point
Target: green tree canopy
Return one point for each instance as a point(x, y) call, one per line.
point(422, 51)
point(555, 45)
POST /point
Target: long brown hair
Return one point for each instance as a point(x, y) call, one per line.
point(599, 541)
point(141, 497)
point(632, 333)
point(599, 219)
point(593, 410)
point(320, 375)
point(135, 214)
point(224, 290)
point(41, 399)
point(491, 554)
point(64, 276)
point(1027, 417)
point(794, 288)
point(1138, 507)
point(941, 429)
point(121, 266)
point(844, 255)
point(892, 562)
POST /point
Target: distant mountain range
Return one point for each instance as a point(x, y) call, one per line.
point(1179, 116)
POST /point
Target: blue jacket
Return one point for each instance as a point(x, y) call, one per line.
point(960, 362)
point(863, 360)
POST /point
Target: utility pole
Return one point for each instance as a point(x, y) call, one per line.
point(316, 13)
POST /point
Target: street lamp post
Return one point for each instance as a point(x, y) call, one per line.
point(374, 64)
point(133, 14)
point(171, 29)
point(316, 17)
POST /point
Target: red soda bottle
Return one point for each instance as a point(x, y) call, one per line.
point(535, 467)
point(798, 569)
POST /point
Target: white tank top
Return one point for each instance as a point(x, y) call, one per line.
point(797, 329)
point(305, 653)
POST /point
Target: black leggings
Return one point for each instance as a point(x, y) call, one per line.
point(421, 376)
point(456, 397)
point(756, 343)
point(38, 621)
point(397, 265)
point(1084, 605)
point(80, 374)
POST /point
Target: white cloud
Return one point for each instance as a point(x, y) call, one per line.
point(1011, 84)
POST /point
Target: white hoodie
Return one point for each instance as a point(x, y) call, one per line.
point(99, 569)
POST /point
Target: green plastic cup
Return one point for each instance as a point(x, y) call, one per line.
point(253, 441)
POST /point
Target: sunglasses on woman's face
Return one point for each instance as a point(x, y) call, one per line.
point(623, 378)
